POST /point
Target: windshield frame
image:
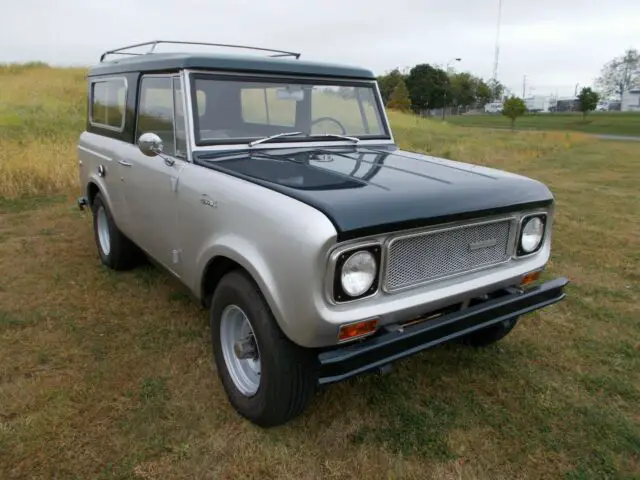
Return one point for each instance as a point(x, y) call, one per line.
point(236, 143)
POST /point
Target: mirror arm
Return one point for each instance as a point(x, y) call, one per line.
point(167, 160)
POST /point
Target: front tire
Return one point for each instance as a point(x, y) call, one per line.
point(268, 379)
point(115, 249)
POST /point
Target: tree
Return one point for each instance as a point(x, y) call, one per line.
point(462, 89)
point(467, 90)
point(496, 88)
point(399, 99)
point(388, 83)
point(483, 93)
point(587, 100)
point(427, 86)
point(513, 108)
point(620, 74)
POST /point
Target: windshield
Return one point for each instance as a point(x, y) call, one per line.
point(242, 110)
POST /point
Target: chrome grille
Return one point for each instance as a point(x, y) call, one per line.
point(420, 258)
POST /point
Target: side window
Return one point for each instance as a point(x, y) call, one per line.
point(108, 103)
point(155, 110)
point(263, 106)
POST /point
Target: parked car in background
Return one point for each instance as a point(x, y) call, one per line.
point(273, 189)
point(493, 107)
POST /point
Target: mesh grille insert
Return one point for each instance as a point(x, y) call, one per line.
point(435, 255)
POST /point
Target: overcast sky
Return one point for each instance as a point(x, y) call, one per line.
point(555, 43)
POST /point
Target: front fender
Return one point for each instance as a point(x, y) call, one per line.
point(245, 254)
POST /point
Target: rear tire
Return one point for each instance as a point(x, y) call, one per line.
point(287, 374)
point(490, 335)
point(115, 249)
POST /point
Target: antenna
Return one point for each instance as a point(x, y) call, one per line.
point(497, 52)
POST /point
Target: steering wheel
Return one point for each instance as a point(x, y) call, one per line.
point(330, 119)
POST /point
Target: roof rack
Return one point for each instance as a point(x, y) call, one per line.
point(153, 44)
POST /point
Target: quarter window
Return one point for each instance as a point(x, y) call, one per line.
point(108, 103)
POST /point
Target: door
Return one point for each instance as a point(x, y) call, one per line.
point(151, 183)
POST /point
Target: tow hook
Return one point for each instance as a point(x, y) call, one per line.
point(82, 203)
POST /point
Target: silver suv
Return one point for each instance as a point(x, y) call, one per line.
point(273, 189)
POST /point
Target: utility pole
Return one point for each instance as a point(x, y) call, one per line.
point(444, 105)
point(575, 91)
point(524, 86)
point(496, 57)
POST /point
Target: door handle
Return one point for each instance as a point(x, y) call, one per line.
point(124, 163)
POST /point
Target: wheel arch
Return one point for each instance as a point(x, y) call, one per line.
point(214, 271)
point(92, 190)
point(226, 260)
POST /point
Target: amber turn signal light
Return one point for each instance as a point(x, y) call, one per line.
point(529, 278)
point(358, 329)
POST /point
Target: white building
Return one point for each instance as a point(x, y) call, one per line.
point(540, 103)
point(630, 101)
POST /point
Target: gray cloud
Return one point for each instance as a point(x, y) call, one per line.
point(556, 43)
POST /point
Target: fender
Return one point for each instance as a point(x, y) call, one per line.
point(95, 179)
point(248, 257)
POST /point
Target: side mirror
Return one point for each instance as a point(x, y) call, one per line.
point(150, 144)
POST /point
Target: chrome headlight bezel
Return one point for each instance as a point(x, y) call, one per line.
point(543, 217)
point(339, 293)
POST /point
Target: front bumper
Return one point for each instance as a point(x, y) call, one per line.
point(371, 354)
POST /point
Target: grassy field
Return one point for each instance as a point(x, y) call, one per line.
point(106, 375)
point(595, 123)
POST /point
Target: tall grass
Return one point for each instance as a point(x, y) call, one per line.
point(502, 149)
point(42, 112)
point(611, 123)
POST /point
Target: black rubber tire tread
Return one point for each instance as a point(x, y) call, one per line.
point(124, 255)
point(490, 335)
point(288, 371)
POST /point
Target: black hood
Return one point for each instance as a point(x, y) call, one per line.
point(369, 190)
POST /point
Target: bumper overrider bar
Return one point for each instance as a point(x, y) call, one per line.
point(380, 350)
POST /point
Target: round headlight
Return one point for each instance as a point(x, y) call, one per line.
point(532, 233)
point(358, 273)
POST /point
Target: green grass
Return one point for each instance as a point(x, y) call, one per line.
point(620, 123)
point(109, 375)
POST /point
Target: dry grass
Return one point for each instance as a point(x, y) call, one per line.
point(106, 375)
point(41, 115)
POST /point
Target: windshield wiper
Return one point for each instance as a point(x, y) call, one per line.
point(273, 137)
point(337, 135)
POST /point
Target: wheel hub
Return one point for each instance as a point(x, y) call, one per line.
point(240, 350)
point(246, 348)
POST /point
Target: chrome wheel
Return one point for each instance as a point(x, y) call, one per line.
point(102, 226)
point(240, 350)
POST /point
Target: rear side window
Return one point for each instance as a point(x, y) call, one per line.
point(108, 103)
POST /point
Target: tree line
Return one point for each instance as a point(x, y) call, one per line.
point(425, 87)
